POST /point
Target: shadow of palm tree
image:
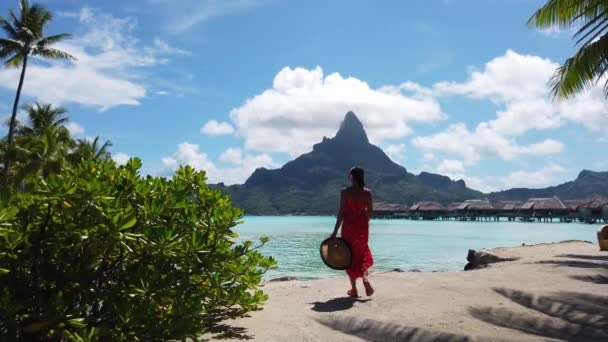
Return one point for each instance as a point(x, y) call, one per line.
point(572, 263)
point(337, 304)
point(585, 257)
point(372, 330)
point(566, 315)
point(601, 278)
point(596, 279)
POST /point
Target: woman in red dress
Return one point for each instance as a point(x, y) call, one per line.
point(355, 213)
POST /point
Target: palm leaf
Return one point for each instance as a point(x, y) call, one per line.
point(582, 70)
point(50, 40)
point(8, 28)
point(15, 61)
point(52, 53)
point(564, 13)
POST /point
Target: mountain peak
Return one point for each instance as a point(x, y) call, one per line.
point(351, 130)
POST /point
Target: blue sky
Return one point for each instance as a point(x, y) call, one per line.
point(447, 86)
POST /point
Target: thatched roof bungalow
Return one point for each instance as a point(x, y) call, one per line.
point(544, 206)
point(576, 204)
point(483, 205)
point(383, 208)
point(427, 207)
point(508, 206)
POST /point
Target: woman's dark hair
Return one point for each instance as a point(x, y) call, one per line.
point(358, 176)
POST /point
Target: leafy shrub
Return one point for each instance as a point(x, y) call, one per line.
point(100, 253)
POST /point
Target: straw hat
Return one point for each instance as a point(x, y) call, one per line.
point(336, 253)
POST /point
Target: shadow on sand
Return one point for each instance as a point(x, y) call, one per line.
point(337, 304)
point(217, 327)
point(566, 315)
point(372, 330)
point(601, 278)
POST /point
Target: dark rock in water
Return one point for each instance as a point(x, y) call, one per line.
point(415, 270)
point(397, 270)
point(481, 259)
point(286, 278)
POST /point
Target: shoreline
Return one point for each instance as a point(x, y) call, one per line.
point(553, 291)
point(289, 278)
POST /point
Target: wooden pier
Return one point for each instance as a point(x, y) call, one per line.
point(593, 210)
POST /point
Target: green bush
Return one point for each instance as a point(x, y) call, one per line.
point(100, 253)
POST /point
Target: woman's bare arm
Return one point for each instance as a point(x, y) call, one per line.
point(370, 207)
point(340, 216)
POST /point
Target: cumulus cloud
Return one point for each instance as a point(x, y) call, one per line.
point(214, 127)
point(232, 155)
point(483, 142)
point(103, 76)
point(304, 105)
point(75, 129)
point(243, 166)
point(451, 167)
point(548, 175)
point(517, 84)
point(120, 158)
point(395, 151)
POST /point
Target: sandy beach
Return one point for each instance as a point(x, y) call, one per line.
point(554, 291)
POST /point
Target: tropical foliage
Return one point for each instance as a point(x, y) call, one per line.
point(25, 37)
point(98, 252)
point(588, 66)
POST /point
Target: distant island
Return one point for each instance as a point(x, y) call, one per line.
point(310, 184)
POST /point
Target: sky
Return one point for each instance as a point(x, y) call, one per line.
point(447, 86)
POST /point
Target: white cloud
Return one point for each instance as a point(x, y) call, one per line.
point(548, 175)
point(191, 13)
point(517, 84)
point(120, 158)
point(162, 93)
point(162, 47)
point(75, 129)
point(395, 151)
point(304, 105)
point(213, 127)
point(484, 142)
point(232, 156)
point(190, 154)
point(451, 167)
point(103, 75)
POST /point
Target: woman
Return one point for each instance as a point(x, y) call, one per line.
point(355, 213)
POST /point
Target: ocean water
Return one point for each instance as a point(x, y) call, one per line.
point(423, 245)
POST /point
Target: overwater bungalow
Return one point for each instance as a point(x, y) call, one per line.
point(595, 210)
point(390, 210)
point(477, 210)
point(508, 209)
point(427, 210)
point(544, 209)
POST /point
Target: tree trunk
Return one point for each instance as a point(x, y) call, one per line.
point(11, 127)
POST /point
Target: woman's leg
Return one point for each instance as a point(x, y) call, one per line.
point(353, 287)
point(369, 290)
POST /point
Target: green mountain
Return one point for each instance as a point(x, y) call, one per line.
point(587, 184)
point(311, 183)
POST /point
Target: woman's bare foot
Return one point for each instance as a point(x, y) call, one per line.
point(352, 293)
point(369, 290)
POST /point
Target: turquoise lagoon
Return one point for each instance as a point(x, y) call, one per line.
point(423, 245)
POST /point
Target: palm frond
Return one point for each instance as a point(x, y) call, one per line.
point(8, 28)
point(12, 44)
point(50, 40)
point(15, 61)
point(564, 13)
point(52, 53)
point(582, 70)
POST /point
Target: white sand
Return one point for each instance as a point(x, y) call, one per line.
point(553, 292)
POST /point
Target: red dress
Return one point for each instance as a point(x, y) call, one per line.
point(355, 230)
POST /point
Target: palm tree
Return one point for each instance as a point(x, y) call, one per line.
point(24, 38)
point(42, 144)
point(91, 150)
point(589, 64)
